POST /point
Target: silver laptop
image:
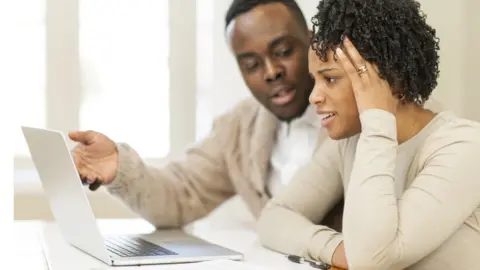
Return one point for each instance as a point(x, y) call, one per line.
point(74, 216)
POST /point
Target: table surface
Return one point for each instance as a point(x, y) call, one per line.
point(239, 236)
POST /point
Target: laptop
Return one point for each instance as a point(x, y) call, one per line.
point(72, 212)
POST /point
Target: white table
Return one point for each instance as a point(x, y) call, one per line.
point(31, 249)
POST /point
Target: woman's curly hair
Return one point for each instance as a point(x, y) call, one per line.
point(393, 34)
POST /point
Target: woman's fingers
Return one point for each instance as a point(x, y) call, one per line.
point(350, 69)
point(356, 58)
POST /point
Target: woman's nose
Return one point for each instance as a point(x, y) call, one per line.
point(316, 96)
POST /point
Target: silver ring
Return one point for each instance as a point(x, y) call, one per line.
point(362, 69)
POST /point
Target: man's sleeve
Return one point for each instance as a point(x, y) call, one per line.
point(182, 191)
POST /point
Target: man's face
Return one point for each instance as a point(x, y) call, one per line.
point(271, 48)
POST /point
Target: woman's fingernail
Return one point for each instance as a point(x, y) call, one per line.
point(345, 38)
point(339, 51)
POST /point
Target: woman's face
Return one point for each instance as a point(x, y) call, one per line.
point(333, 95)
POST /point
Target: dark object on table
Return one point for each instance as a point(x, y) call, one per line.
point(300, 260)
point(93, 186)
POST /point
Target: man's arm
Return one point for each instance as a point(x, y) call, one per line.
point(288, 222)
point(182, 191)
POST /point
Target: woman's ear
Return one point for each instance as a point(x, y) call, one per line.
point(397, 91)
point(310, 34)
point(399, 95)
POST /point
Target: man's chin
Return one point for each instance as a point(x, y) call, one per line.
point(288, 112)
point(287, 117)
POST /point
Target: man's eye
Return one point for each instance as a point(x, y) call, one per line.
point(283, 53)
point(251, 65)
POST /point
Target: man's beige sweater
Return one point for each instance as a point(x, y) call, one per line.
point(233, 159)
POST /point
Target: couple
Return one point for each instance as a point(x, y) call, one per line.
point(404, 178)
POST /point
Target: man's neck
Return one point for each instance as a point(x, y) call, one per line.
point(308, 116)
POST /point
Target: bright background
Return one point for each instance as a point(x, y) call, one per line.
point(154, 73)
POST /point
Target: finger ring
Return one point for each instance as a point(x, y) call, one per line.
point(362, 69)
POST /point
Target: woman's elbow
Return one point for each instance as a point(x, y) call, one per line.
point(363, 261)
point(365, 264)
point(370, 250)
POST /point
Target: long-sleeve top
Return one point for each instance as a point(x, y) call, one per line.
point(234, 159)
point(410, 206)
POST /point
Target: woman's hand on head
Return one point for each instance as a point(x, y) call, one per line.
point(371, 91)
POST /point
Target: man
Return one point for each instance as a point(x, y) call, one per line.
point(253, 150)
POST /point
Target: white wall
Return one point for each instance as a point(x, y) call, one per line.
point(471, 58)
point(30, 201)
point(457, 26)
point(458, 40)
point(221, 85)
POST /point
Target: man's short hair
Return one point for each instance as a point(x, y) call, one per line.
point(239, 7)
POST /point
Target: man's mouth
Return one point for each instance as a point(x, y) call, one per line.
point(283, 97)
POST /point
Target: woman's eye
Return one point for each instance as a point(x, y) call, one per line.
point(330, 79)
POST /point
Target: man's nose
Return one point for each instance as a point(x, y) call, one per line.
point(273, 72)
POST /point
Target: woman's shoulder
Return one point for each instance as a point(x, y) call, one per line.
point(453, 127)
point(452, 132)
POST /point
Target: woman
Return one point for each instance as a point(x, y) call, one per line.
point(409, 176)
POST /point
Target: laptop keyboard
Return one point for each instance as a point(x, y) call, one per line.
point(134, 247)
